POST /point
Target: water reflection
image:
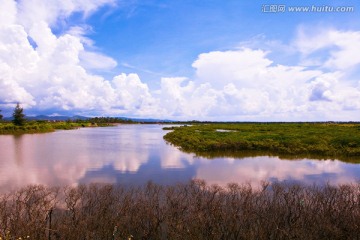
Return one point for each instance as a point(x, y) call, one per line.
point(148, 171)
point(18, 151)
point(255, 169)
point(135, 154)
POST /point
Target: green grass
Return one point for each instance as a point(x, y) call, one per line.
point(40, 127)
point(322, 140)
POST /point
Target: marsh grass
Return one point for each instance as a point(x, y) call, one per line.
point(324, 140)
point(29, 127)
point(42, 127)
point(191, 210)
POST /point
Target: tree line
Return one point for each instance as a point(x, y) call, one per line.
point(109, 120)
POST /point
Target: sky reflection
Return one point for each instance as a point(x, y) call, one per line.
point(135, 154)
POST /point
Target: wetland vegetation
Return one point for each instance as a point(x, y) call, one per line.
point(44, 126)
point(324, 140)
point(186, 210)
point(191, 210)
point(21, 125)
point(41, 126)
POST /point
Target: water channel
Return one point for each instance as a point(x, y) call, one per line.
point(136, 154)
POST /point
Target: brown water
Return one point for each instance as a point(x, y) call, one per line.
point(135, 154)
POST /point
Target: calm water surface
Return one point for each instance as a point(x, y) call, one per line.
point(135, 154)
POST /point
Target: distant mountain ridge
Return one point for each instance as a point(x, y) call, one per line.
point(79, 117)
point(52, 118)
point(57, 118)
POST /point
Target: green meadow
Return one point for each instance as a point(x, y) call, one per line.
point(319, 140)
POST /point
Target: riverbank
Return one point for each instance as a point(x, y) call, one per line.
point(333, 140)
point(8, 128)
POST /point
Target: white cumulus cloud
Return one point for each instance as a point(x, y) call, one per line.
point(42, 70)
point(246, 84)
point(59, 72)
point(341, 47)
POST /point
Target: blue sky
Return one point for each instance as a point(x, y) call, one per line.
point(181, 59)
point(165, 37)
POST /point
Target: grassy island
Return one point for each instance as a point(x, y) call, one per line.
point(334, 140)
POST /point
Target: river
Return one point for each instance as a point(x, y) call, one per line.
point(136, 154)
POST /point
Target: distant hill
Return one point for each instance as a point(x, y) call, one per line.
point(51, 118)
point(150, 120)
point(78, 117)
point(56, 118)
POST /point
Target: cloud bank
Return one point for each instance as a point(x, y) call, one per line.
point(49, 72)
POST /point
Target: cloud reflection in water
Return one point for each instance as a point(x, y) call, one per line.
point(136, 154)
